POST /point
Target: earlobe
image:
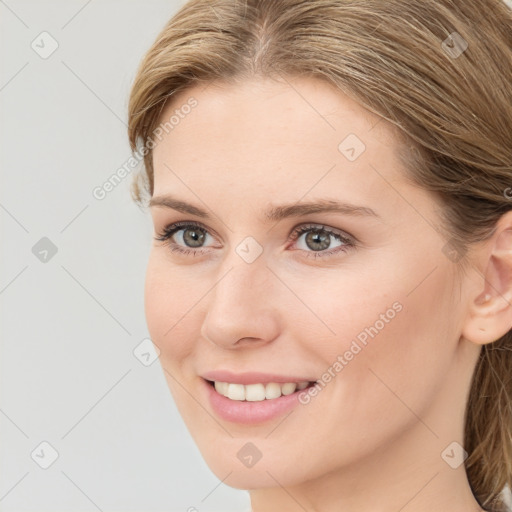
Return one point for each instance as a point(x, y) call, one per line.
point(490, 311)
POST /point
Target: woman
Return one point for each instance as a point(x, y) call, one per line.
point(330, 284)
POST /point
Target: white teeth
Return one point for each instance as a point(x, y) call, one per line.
point(254, 392)
point(272, 390)
point(258, 392)
point(236, 391)
point(288, 388)
point(221, 387)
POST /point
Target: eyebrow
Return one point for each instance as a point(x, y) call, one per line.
point(274, 213)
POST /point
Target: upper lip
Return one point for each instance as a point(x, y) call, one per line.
point(252, 377)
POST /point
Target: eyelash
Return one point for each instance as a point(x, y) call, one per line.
point(171, 229)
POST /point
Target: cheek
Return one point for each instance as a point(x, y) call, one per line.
point(168, 303)
point(407, 358)
point(392, 340)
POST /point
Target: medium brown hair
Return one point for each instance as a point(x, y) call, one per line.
point(406, 61)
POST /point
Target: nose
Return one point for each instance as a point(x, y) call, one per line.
point(241, 309)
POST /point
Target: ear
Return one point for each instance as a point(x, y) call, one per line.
point(490, 307)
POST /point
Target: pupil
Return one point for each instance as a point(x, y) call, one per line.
point(317, 237)
point(195, 239)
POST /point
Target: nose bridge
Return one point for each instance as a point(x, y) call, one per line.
point(240, 305)
point(244, 272)
point(242, 285)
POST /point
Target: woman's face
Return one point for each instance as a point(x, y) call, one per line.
point(369, 307)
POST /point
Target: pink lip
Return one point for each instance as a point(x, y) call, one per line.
point(252, 377)
point(241, 411)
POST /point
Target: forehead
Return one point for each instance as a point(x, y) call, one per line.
point(262, 137)
point(310, 102)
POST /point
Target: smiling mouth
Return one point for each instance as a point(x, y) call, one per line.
point(258, 392)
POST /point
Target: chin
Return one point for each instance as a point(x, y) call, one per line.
point(272, 472)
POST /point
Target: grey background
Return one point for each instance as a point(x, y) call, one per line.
point(70, 323)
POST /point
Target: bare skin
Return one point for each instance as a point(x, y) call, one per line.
point(377, 437)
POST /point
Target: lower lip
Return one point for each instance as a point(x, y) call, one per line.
point(246, 412)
